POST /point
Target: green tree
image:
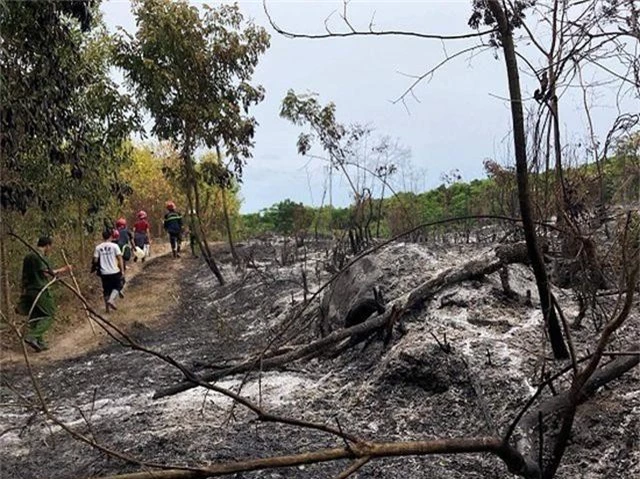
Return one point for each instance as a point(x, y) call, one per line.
point(191, 71)
point(150, 186)
point(290, 218)
point(63, 121)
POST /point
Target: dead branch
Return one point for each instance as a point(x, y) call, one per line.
point(362, 33)
point(588, 380)
point(604, 375)
point(516, 463)
point(420, 78)
point(483, 265)
point(354, 467)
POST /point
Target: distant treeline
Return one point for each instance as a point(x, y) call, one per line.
point(616, 180)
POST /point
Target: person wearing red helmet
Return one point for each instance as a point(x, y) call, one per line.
point(173, 226)
point(142, 233)
point(116, 237)
point(124, 240)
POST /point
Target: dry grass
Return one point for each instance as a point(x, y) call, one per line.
point(148, 294)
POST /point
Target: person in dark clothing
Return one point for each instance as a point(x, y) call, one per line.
point(36, 301)
point(173, 226)
point(124, 240)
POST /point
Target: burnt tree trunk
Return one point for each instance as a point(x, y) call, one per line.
point(551, 319)
point(195, 205)
point(5, 302)
point(225, 210)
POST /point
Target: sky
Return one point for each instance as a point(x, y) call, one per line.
point(458, 118)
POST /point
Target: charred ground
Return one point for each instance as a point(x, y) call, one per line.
point(411, 389)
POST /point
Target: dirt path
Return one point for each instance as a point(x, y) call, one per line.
point(148, 294)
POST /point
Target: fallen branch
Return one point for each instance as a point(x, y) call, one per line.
point(557, 405)
point(604, 375)
point(492, 445)
point(353, 468)
point(482, 265)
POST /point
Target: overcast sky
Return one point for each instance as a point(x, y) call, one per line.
point(460, 119)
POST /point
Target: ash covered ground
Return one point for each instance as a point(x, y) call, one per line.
point(409, 390)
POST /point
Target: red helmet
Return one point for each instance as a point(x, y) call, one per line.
point(121, 223)
point(170, 205)
point(142, 215)
point(115, 234)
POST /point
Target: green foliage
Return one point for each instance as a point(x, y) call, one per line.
point(494, 195)
point(294, 219)
point(287, 217)
point(191, 71)
point(483, 16)
point(304, 110)
point(63, 120)
point(622, 173)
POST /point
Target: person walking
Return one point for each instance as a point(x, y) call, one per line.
point(124, 240)
point(142, 234)
point(107, 260)
point(116, 240)
point(36, 301)
point(173, 226)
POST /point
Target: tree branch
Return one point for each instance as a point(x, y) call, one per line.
point(512, 458)
point(370, 32)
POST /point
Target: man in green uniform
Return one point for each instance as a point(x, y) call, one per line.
point(173, 226)
point(38, 304)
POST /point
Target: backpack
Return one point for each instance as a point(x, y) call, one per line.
point(126, 252)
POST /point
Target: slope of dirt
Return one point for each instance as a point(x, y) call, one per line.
point(144, 292)
point(410, 390)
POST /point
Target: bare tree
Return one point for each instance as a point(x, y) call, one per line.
point(502, 23)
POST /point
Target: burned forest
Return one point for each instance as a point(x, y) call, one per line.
point(477, 325)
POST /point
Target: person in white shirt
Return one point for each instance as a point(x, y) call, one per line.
point(107, 259)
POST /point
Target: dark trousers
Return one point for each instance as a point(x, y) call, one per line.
point(140, 240)
point(110, 283)
point(175, 239)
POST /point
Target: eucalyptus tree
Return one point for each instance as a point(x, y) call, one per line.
point(63, 122)
point(191, 69)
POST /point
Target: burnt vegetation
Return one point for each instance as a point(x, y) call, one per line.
point(481, 329)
